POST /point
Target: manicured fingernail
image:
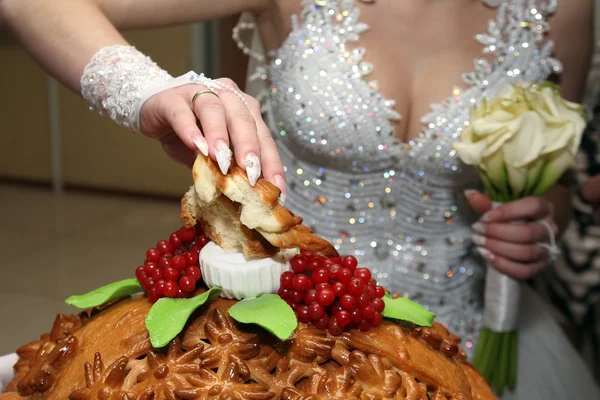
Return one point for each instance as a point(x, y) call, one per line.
point(479, 227)
point(252, 168)
point(485, 253)
point(469, 192)
point(280, 183)
point(223, 154)
point(478, 240)
point(282, 198)
point(201, 145)
point(490, 216)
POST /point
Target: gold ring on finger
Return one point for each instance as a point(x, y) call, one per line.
point(201, 92)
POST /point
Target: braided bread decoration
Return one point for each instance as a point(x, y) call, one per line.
point(241, 217)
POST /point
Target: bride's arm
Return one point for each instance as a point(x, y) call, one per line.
point(135, 14)
point(63, 35)
point(76, 42)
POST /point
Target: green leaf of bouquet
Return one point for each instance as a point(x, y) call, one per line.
point(551, 85)
point(268, 311)
point(105, 294)
point(407, 310)
point(167, 317)
point(491, 189)
point(557, 163)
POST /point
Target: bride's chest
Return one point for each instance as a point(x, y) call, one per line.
point(413, 53)
point(357, 88)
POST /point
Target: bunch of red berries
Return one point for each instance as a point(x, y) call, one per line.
point(171, 269)
point(332, 293)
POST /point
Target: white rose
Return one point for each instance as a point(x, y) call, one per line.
point(564, 127)
point(522, 141)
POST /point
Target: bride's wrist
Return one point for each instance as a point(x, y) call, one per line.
point(116, 82)
point(119, 80)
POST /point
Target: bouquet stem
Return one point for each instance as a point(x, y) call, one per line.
point(496, 359)
point(496, 353)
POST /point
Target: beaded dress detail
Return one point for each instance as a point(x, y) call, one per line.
point(399, 208)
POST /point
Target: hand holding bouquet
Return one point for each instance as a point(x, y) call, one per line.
point(521, 143)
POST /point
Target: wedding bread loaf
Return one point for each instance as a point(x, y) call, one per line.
point(107, 355)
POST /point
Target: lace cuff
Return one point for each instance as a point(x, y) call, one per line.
point(115, 81)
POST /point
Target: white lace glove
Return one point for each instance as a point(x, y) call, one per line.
point(6, 369)
point(119, 80)
point(115, 81)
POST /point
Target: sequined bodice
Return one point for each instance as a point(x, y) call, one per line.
point(399, 208)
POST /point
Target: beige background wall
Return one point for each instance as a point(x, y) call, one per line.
point(25, 139)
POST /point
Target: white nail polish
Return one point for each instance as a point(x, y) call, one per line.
point(252, 168)
point(280, 183)
point(469, 192)
point(201, 145)
point(479, 240)
point(479, 228)
point(490, 216)
point(223, 156)
point(485, 253)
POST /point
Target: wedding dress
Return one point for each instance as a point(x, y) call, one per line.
point(400, 208)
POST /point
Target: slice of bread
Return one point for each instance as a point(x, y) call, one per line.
point(241, 217)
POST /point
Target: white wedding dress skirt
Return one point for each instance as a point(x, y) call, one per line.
point(549, 366)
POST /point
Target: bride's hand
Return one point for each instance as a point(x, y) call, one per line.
point(210, 125)
point(514, 248)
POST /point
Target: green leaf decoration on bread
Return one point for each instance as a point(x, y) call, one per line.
point(105, 294)
point(268, 311)
point(167, 317)
point(407, 310)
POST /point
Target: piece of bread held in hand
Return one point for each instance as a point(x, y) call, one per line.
point(244, 218)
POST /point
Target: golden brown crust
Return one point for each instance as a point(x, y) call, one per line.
point(63, 327)
point(10, 396)
point(479, 386)
point(215, 358)
point(302, 237)
point(58, 369)
point(249, 219)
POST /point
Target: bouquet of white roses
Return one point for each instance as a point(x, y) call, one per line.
point(521, 143)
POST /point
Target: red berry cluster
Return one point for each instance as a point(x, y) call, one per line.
point(332, 293)
point(171, 269)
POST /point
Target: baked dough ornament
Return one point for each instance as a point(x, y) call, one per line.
point(107, 352)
